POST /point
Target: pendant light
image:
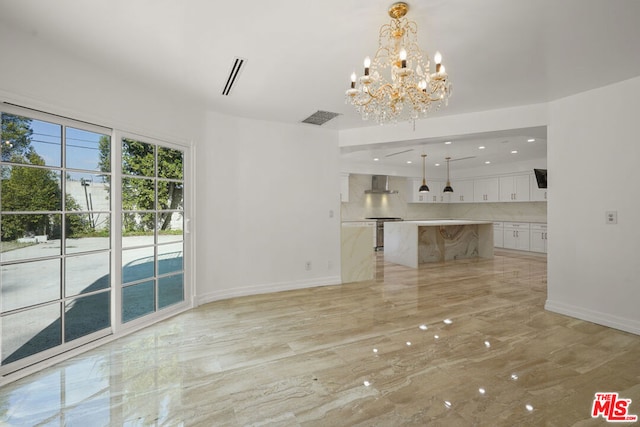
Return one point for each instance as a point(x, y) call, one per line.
point(424, 188)
point(448, 188)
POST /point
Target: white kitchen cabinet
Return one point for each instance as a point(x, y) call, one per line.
point(344, 187)
point(462, 191)
point(538, 238)
point(498, 234)
point(435, 194)
point(413, 185)
point(516, 235)
point(537, 194)
point(514, 188)
point(485, 190)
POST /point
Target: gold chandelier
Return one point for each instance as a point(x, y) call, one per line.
point(397, 85)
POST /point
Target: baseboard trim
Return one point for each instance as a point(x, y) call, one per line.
point(266, 288)
point(605, 319)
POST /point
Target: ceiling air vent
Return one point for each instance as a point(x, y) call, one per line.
point(236, 67)
point(320, 117)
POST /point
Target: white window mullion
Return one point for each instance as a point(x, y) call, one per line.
point(116, 231)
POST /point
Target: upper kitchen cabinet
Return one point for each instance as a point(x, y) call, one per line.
point(486, 190)
point(413, 196)
point(435, 194)
point(514, 188)
point(538, 194)
point(462, 191)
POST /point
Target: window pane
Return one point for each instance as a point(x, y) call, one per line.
point(26, 188)
point(86, 315)
point(30, 332)
point(88, 150)
point(29, 283)
point(170, 195)
point(87, 273)
point(170, 290)
point(138, 194)
point(138, 229)
point(87, 192)
point(169, 258)
point(138, 158)
point(81, 235)
point(173, 229)
point(29, 236)
point(170, 163)
point(137, 264)
point(138, 300)
point(30, 141)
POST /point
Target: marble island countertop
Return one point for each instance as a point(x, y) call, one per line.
point(436, 222)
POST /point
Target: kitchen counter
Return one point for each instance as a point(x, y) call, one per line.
point(357, 256)
point(412, 243)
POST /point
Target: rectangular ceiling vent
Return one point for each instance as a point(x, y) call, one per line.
point(320, 117)
point(236, 68)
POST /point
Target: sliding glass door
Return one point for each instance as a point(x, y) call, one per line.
point(55, 247)
point(92, 234)
point(152, 228)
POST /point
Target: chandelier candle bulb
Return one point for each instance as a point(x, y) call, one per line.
point(392, 88)
point(437, 58)
point(353, 80)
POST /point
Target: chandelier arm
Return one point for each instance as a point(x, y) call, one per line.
point(398, 83)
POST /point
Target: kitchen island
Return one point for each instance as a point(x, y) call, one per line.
point(412, 243)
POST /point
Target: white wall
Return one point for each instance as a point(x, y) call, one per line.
point(593, 157)
point(40, 76)
point(264, 195)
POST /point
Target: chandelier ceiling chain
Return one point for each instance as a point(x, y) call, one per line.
point(397, 85)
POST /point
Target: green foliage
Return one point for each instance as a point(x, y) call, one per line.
point(138, 158)
point(32, 188)
point(16, 137)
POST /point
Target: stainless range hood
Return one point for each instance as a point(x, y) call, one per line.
point(380, 185)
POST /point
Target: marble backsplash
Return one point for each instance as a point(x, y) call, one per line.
point(361, 205)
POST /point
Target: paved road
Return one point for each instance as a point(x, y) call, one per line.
point(35, 282)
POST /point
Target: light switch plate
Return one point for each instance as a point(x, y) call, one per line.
point(612, 217)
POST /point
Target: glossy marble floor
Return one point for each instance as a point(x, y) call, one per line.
point(456, 344)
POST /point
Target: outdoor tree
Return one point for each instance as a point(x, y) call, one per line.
point(16, 137)
point(27, 186)
point(139, 184)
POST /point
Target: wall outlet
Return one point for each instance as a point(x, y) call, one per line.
point(307, 265)
point(612, 217)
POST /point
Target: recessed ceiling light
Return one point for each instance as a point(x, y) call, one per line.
point(376, 159)
point(447, 142)
point(487, 162)
point(482, 147)
point(409, 162)
point(437, 164)
point(514, 151)
point(531, 140)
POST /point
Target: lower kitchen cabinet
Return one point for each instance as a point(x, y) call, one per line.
point(538, 238)
point(516, 235)
point(498, 234)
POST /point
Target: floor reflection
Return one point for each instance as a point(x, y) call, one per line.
point(460, 343)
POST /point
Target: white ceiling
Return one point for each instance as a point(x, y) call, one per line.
point(498, 53)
